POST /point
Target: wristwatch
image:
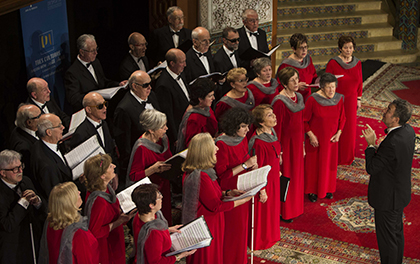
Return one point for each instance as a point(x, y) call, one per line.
point(244, 166)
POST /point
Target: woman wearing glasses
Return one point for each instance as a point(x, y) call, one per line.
point(238, 96)
point(148, 154)
point(302, 62)
point(103, 210)
point(263, 87)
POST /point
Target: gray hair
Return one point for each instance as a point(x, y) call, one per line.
point(152, 119)
point(194, 34)
point(260, 63)
point(226, 31)
point(327, 78)
point(81, 41)
point(31, 87)
point(43, 126)
point(23, 116)
point(246, 12)
point(7, 157)
point(171, 10)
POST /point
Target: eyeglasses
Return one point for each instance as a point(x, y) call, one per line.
point(36, 117)
point(304, 47)
point(245, 80)
point(16, 169)
point(58, 126)
point(205, 41)
point(252, 21)
point(94, 50)
point(233, 40)
point(159, 196)
point(144, 85)
point(100, 106)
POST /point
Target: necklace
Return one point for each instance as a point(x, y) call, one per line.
point(293, 97)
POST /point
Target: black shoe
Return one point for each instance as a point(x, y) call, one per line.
point(286, 220)
point(312, 197)
point(329, 196)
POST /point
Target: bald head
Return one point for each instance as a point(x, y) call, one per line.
point(138, 44)
point(176, 60)
point(201, 39)
point(38, 90)
point(27, 117)
point(50, 128)
point(94, 105)
point(139, 82)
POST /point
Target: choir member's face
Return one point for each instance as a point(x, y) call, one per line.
point(270, 119)
point(181, 61)
point(160, 132)
point(347, 49)
point(138, 48)
point(252, 21)
point(159, 198)
point(94, 112)
point(88, 54)
point(8, 175)
point(265, 73)
point(388, 117)
point(216, 149)
point(208, 100)
point(138, 88)
point(109, 174)
point(176, 20)
point(202, 43)
point(56, 131)
point(232, 41)
point(240, 83)
point(79, 200)
point(329, 90)
point(301, 51)
point(243, 129)
point(42, 92)
point(293, 84)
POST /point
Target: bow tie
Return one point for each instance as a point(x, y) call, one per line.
point(230, 55)
point(175, 33)
point(145, 102)
point(139, 59)
point(386, 131)
point(178, 78)
point(43, 106)
point(88, 64)
point(199, 54)
point(98, 126)
point(256, 34)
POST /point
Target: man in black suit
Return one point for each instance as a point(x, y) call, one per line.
point(173, 92)
point(126, 119)
point(226, 57)
point(39, 95)
point(199, 57)
point(19, 208)
point(389, 166)
point(135, 59)
point(86, 73)
point(24, 134)
point(47, 162)
point(170, 36)
point(251, 36)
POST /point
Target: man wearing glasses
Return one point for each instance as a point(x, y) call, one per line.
point(20, 207)
point(86, 73)
point(227, 57)
point(136, 58)
point(127, 127)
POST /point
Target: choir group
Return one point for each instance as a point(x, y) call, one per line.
point(243, 121)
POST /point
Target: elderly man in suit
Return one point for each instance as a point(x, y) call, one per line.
point(20, 207)
point(173, 92)
point(389, 166)
point(39, 95)
point(170, 36)
point(251, 36)
point(86, 73)
point(135, 59)
point(227, 57)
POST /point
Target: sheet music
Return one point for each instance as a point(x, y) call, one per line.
point(272, 50)
point(76, 119)
point(251, 179)
point(78, 170)
point(182, 154)
point(160, 66)
point(194, 235)
point(108, 93)
point(124, 196)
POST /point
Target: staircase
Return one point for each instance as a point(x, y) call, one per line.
point(324, 21)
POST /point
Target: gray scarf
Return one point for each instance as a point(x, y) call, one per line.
point(300, 65)
point(344, 65)
point(183, 126)
point(266, 90)
point(327, 102)
point(292, 106)
point(269, 138)
point(248, 105)
point(230, 141)
point(109, 197)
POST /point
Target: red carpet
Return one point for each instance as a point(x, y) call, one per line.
point(412, 94)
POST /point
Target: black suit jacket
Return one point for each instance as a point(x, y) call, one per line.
point(222, 62)
point(22, 142)
point(390, 170)
point(55, 109)
point(195, 68)
point(162, 42)
point(173, 102)
point(15, 237)
point(78, 81)
point(127, 128)
point(128, 66)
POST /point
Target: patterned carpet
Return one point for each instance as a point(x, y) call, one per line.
point(342, 230)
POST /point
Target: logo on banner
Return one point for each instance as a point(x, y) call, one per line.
point(46, 42)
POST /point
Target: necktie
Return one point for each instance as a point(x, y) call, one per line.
point(255, 34)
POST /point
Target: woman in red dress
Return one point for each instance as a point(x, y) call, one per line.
point(148, 156)
point(151, 233)
point(203, 196)
point(238, 96)
point(267, 148)
point(288, 107)
point(233, 159)
point(302, 62)
point(324, 120)
point(351, 86)
point(103, 210)
point(263, 87)
point(199, 117)
point(67, 238)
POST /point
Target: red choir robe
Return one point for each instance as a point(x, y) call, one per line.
point(198, 123)
point(351, 86)
point(156, 246)
point(236, 220)
point(324, 117)
point(290, 133)
point(266, 215)
point(111, 244)
point(211, 206)
point(307, 72)
point(264, 93)
point(85, 246)
point(225, 103)
point(144, 158)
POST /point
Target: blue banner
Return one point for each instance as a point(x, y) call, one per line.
point(46, 43)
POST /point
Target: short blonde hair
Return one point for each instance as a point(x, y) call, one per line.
point(200, 153)
point(259, 114)
point(234, 74)
point(62, 205)
point(94, 168)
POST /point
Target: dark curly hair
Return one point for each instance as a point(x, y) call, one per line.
point(233, 118)
point(200, 89)
point(297, 39)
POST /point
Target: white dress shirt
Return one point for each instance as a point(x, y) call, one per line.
point(232, 58)
point(180, 82)
point(252, 38)
point(90, 69)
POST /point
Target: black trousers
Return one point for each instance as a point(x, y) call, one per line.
point(390, 235)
